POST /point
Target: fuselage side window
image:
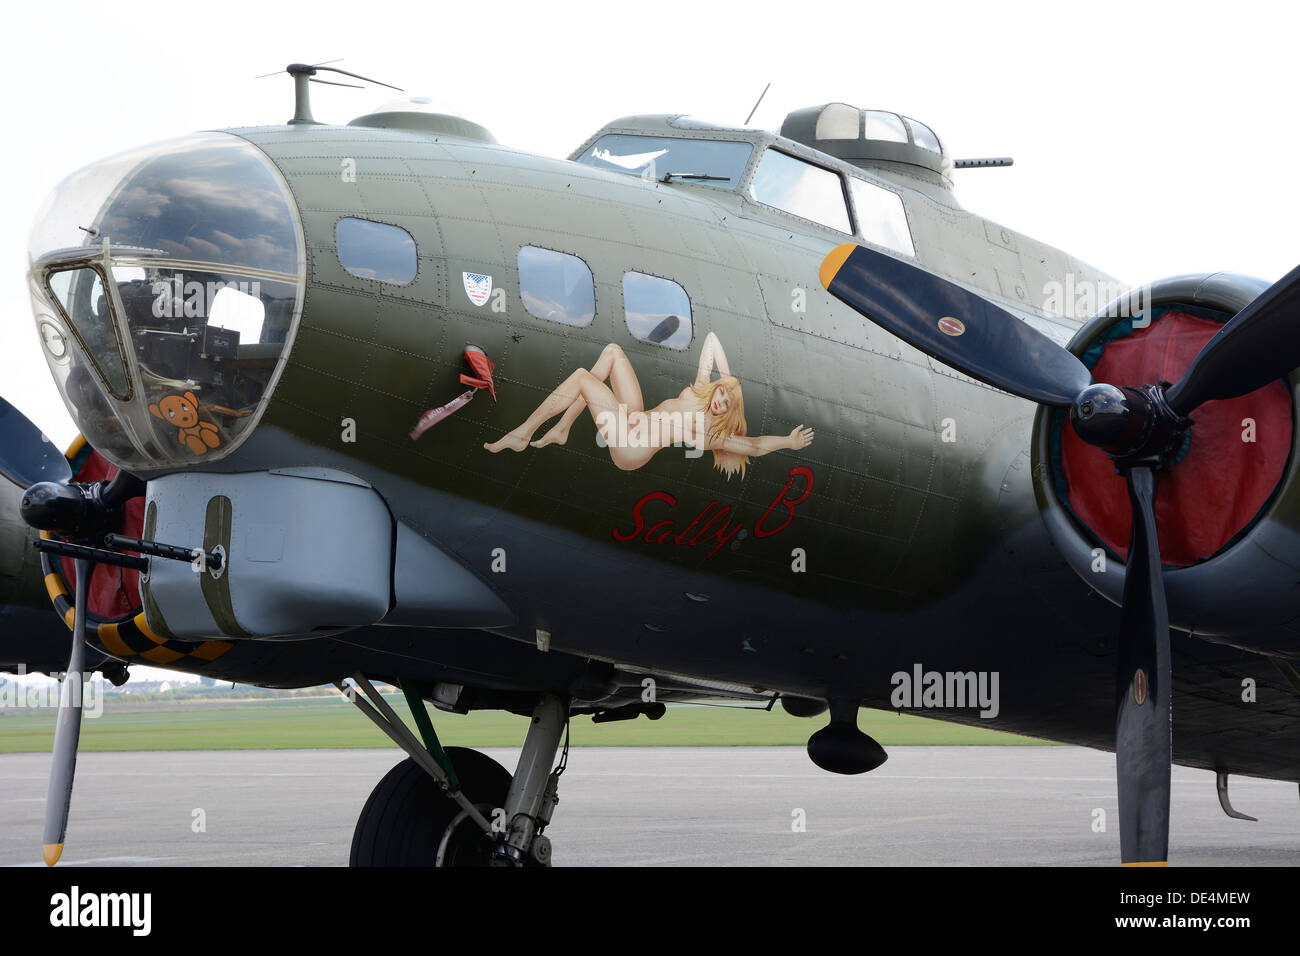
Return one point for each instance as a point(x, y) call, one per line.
point(376, 250)
point(802, 189)
point(658, 310)
point(881, 217)
point(556, 286)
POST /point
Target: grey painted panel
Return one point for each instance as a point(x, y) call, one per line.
point(807, 307)
point(305, 554)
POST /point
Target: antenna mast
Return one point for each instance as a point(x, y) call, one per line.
point(304, 73)
point(760, 99)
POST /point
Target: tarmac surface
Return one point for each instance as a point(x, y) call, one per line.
point(688, 806)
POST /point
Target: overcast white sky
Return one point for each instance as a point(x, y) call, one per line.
point(1149, 139)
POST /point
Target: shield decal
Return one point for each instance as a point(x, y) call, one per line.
point(477, 287)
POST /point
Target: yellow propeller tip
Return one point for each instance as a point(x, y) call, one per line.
point(52, 852)
point(1153, 863)
point(831, 264)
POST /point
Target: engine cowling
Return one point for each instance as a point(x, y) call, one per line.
point(1227, 511)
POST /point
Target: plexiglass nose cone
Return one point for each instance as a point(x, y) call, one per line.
point(167, 284)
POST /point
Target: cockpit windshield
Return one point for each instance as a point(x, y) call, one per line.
point(166, 285)
point(716, 163)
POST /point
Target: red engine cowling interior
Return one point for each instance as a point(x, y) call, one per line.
point(114, 592)
point(1224, 479)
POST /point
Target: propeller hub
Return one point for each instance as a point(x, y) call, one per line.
point(1109, 417)
point(77, 511)
point(1135, 426)
point(57, 507)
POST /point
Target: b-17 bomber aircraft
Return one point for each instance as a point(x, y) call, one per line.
point(702, 412)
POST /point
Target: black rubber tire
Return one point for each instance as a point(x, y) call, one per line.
point(406, 815)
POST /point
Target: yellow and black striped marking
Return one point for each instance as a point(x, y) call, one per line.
point(128, 638)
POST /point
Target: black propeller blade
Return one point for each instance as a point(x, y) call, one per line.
point(1140, 428)
point(1143, 728)
point(1260, 344)
point(959, 328)
point(27, 456)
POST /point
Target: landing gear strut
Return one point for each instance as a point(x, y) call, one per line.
point(459, 807)
point(534, 789)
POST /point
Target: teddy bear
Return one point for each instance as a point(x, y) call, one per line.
point(183, 412)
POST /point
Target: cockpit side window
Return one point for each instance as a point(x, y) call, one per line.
point(657, 310)
point(881, 217)
point(802, 189)
point(703, 162)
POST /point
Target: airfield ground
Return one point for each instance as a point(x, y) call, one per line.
point(760, 806)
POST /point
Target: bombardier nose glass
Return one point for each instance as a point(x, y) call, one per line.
point(167, 285)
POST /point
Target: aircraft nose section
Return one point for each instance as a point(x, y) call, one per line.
point(167, 283)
